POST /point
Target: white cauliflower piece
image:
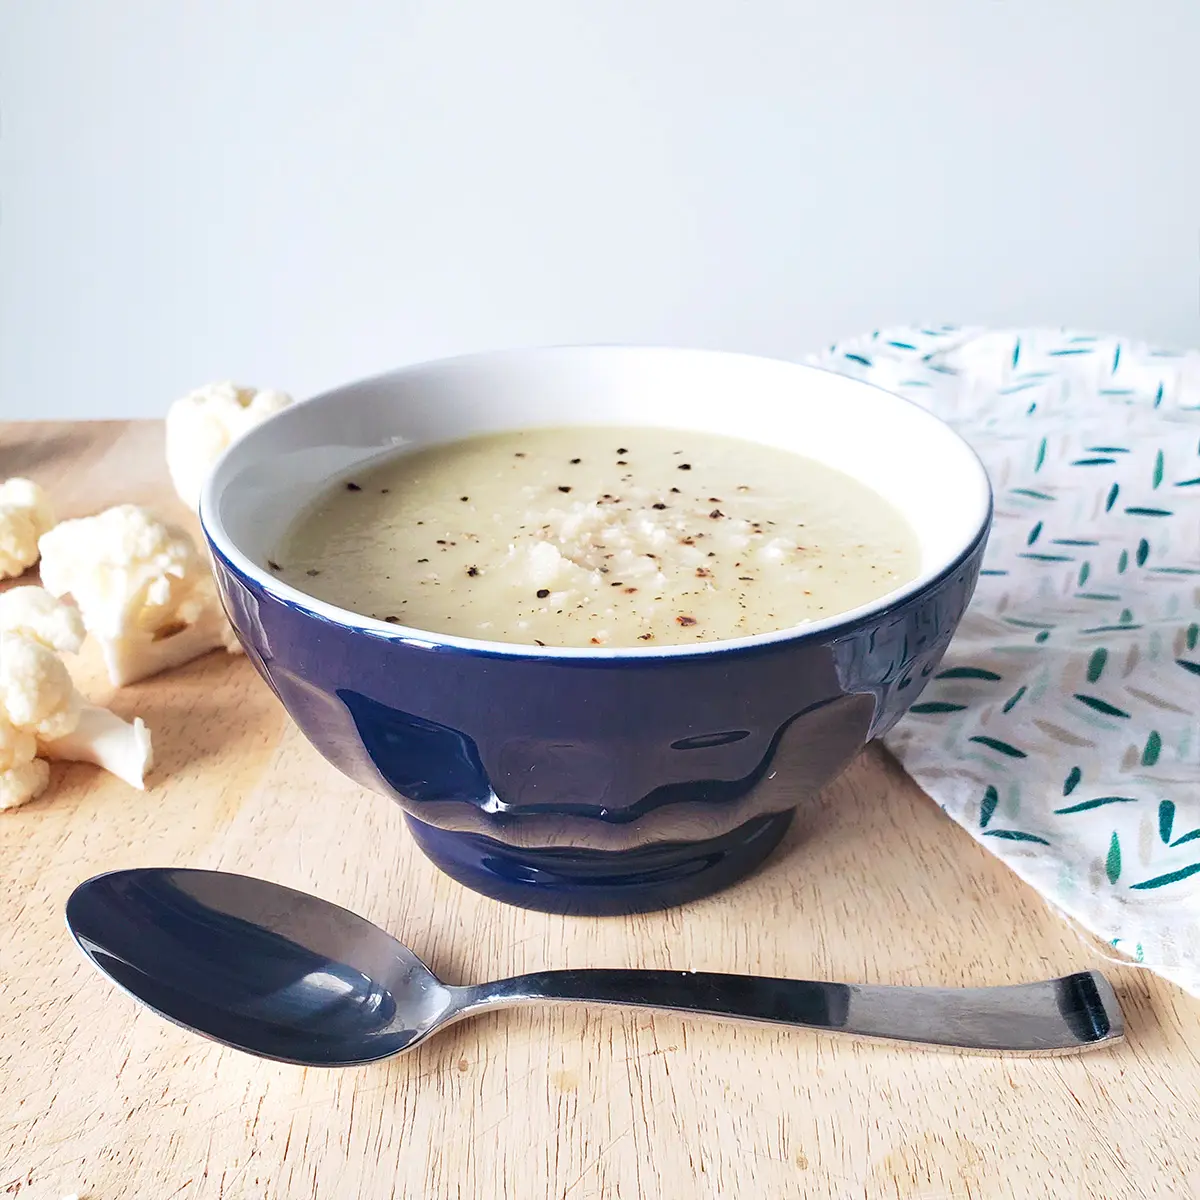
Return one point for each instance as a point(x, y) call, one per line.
point(17, 746)
point(544, 564)
point(204, 423)
point(36, 694)
point(121, 748)
point(43, 618)
point(144, 591)
point(19, 785)
point(23, 776)
point(42, 715)
point(36, 691)
point(25, 515)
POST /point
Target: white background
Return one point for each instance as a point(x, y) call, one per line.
point(295, 193)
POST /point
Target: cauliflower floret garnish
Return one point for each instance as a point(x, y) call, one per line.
point(202, 425)
point(25, 515)
point(42, 714)
point(144, 591)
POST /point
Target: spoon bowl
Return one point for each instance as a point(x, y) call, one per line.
point(257, 966)
point(287, 976)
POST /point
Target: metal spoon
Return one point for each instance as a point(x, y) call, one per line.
point(287, 976)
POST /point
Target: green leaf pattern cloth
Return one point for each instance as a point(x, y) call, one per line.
point(1063, 728)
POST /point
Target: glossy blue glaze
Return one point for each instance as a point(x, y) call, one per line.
point(606, 780)
point(599, 785)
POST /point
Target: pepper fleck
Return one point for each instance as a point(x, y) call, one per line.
point(746, 578)
point(630, 590)
point(472, 571)
point(353, 487)
point(684, 467)
point(519, 454)
point(538, 643)
point(421, 560)
point(273, 565)
point(675, 490)
point(542, 593)
point(645, 637)
point(384, 491)
point(622, 450)
point(464, 499)
point(312, 571)
point(576, 461)
point(703, 573)
point(682, 620)
point(659, 506)
point(563, 487)
point(392, 620)
point(716, 514)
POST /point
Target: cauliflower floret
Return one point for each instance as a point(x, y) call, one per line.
point(38, 615)
point(19, 785)
point(23, 776)
point(42, 715)
point(202, 425)
point(24, 516)
point(142, 588)
point(35, 687)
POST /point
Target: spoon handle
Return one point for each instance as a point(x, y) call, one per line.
point(1054, 1016)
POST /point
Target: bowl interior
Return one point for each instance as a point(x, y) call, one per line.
point(907, 456)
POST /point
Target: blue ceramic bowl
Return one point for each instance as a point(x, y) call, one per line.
point(606, 780)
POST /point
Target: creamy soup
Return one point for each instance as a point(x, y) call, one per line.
point(596, 536)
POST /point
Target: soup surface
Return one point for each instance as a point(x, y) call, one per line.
point(598, 536)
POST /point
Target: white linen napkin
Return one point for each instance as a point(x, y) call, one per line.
point(1063, 728)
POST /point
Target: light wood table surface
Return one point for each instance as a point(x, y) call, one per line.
point(874, 884)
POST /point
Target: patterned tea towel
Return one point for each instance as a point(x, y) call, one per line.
point(1063, 729)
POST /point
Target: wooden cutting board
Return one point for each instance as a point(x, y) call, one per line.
point(874, 884)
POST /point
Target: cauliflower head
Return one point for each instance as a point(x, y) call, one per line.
point(203, 424)
point(25, 515)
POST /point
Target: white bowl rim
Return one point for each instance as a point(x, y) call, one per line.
point(215, 531)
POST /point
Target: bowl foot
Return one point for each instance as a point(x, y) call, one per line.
point(598, 882)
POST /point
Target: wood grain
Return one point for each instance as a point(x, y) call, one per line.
point(873, 884)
